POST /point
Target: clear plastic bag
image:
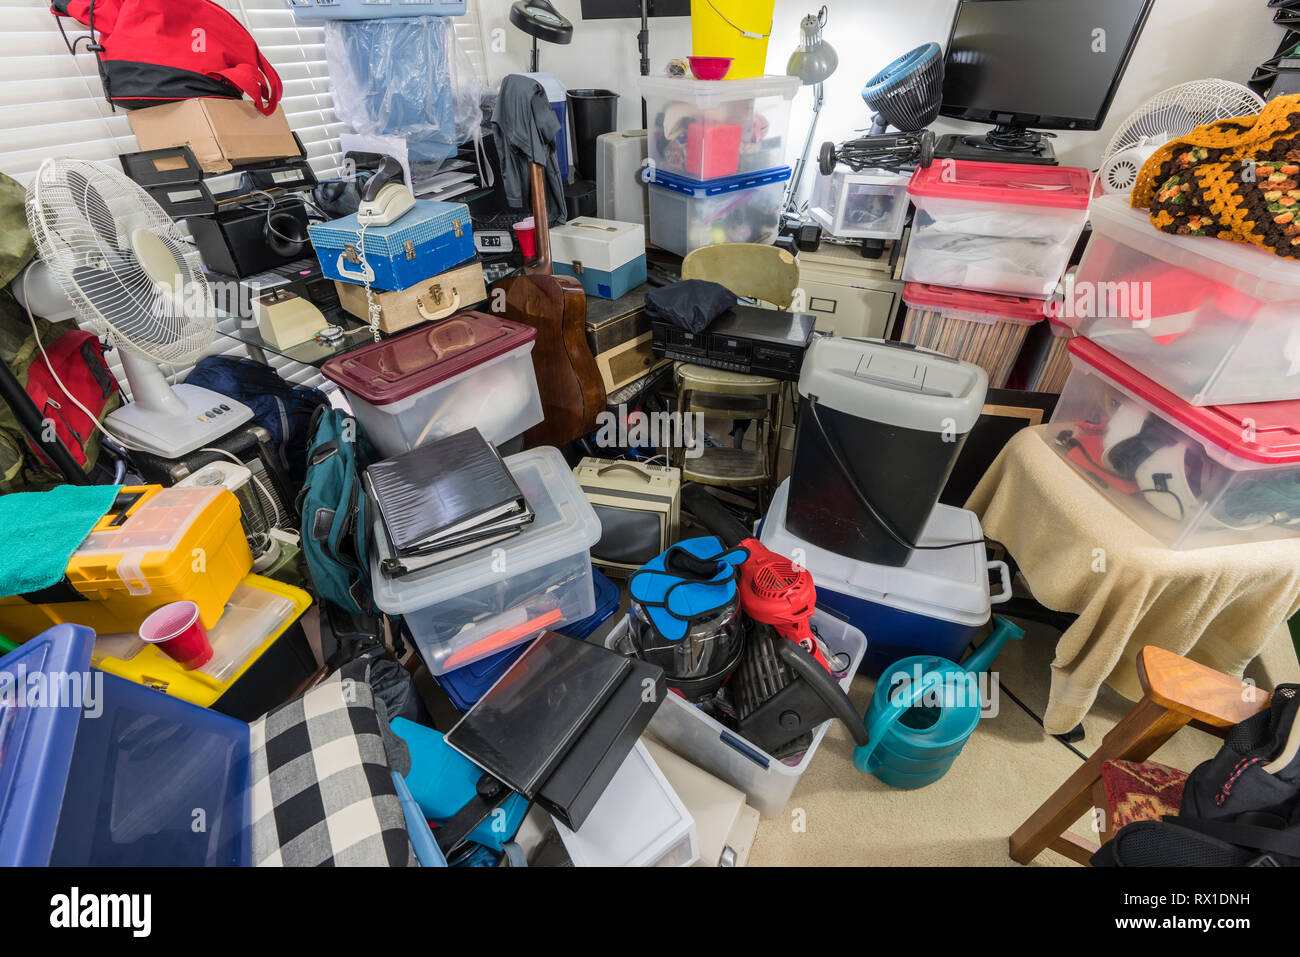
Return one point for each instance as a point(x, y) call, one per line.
point(405, 77)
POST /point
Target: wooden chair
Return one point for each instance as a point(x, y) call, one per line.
point(1175, 692)
point(753, 271)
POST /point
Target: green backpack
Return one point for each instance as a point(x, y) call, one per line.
point(335, 512)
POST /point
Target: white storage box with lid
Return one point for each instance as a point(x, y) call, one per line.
point(472, 370)
point(767, 781)
point(1212, 321)
point(639, 821)
point(741, 209)
point(934, 605)
point(867, 205)
point(606, 256)
point(1192, 476)
point(708, 129)
point(979, 327)
point(487, 601)
point(995, 227)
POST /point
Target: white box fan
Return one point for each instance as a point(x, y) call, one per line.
point(134, 281)
point(1167, 116)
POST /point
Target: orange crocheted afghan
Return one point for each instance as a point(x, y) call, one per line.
point(1236, 179)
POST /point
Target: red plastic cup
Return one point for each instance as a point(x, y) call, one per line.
point(177, 631)
point(526, 234)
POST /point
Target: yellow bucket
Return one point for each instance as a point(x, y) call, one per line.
point(735, 28)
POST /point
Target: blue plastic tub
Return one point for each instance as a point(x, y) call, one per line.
point(465, 686)
point(119, 782)
point(933, 605)
point(312, 10)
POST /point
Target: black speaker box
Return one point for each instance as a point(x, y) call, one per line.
point(241, 242)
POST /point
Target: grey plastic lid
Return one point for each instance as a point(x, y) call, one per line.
point(895, 384)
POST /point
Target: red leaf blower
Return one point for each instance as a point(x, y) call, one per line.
point(777, 592)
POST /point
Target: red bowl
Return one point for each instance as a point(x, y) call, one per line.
point(709, 67)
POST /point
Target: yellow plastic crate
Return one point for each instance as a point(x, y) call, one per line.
point(170, 544)
point(258, 613)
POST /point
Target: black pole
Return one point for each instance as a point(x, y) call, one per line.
point(29, 417)
point(535, 61)
point(643, 41)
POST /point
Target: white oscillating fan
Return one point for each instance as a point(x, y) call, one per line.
point(1166, 116)
point(135, 281)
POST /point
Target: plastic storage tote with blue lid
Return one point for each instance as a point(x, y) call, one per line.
point(118, 782)
point(686, 215)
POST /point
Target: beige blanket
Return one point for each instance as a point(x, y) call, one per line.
point(1079, 553)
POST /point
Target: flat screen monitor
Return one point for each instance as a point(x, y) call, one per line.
point(1053, 64)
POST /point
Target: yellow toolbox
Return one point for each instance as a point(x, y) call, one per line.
point(259, 653)
point(157, 545)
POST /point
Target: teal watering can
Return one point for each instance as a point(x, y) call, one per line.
point(923, 710)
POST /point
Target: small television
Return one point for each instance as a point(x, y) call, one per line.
point(639, 507)
point(1051, 64)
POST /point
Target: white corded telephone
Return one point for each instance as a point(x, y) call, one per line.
point(385, 198)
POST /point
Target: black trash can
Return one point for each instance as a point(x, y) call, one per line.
point(880, 427)
point(595, 113)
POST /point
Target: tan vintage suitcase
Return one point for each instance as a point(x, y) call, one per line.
point(444, 295)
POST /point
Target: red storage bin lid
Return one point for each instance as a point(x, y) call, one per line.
point(1063, 187)
point(1264, 432)
point(945, 298)
point(389, 371)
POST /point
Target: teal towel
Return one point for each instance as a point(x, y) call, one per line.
point(43, 529)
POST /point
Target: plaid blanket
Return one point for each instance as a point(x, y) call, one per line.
point(322, 788)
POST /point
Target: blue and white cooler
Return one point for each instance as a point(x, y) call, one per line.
point(935, 604)
point(429, 239)
point(606, 256)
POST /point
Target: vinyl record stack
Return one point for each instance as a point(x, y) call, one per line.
point(1183, 403)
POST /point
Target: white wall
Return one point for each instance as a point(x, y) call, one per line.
point(1183, 40)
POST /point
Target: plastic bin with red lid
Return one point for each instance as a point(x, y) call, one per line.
point(980, 327)
point(1192, 476)
point(1210, 320)
point(995, 227)
point(470, 370)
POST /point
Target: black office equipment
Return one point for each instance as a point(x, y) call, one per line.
point(573, 789)
point(745, 339)
point(527, 723)
point(1052, 64)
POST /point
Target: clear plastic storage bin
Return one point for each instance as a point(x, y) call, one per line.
point(1212, 321)
point(767, 781)
point(995, 227)
point(743, 209)
point(472, 370)
point(709, 129)
point(867, 205)
point(979, 327)
point(639, 821)
point(490, 600)
point(1192, 476)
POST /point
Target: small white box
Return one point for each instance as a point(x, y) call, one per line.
point(606, 256)
point(639, 821)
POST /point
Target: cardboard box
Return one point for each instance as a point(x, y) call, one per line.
point(219, 132)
